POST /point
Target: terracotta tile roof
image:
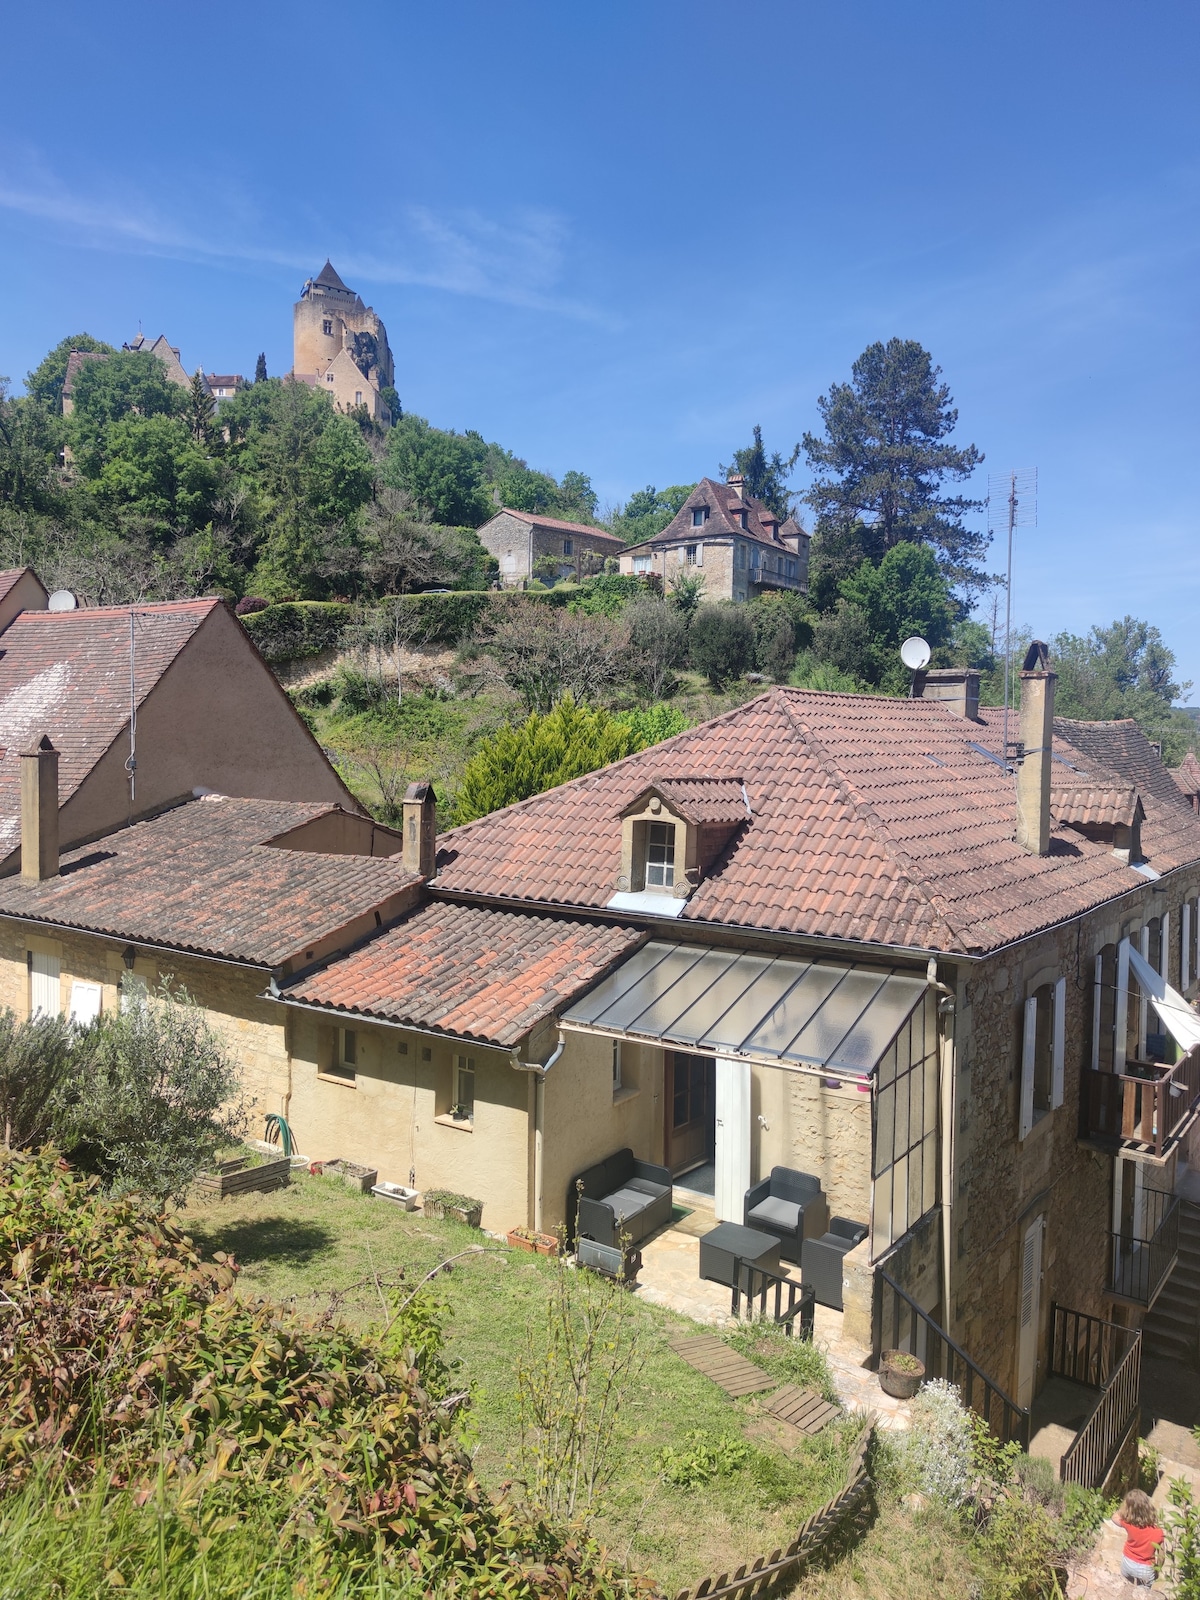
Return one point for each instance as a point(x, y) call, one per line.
point(484, 975)
point(559, 525)
point(1088, 804)
point(203, 877)
point(874, 820)
point(66, 674)
point(702, 800)
point(1186, 774)
point(724, 506)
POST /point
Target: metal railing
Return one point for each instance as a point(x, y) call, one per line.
point(770, 1297)
point(943, 1358)
point(1142, 1257)
point(1145, 1105)
point(1089, 1350)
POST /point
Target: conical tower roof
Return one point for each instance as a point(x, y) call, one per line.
point(328, 278)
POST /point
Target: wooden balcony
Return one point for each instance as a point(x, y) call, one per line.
point(1142, 1111)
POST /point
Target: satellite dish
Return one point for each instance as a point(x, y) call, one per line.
point(915, 653)
point(62, 600)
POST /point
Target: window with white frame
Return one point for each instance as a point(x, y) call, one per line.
point(693, 555)
point(344, 1061)
point(327, 327)
point(616, 1066)
point(1043, 1042)
point(660, 855)
point(641, 563)
point(358, 397)
point(45, 989)
point(86, 1000)
point(464, 1088)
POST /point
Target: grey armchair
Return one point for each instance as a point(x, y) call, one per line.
point(789, 1204)
point(821, 1259)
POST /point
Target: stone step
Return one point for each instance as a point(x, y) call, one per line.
point(1172, 1315)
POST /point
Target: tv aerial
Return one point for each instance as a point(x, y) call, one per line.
point(915, 653)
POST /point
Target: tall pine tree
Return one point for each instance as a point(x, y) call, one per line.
point(766, 475)
point(260, 367)
point(880, 467)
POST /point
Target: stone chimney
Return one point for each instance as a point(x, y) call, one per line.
point(1037, 732)
point(956, 688)
point(39, 812)
point(420, 829)
point(738, 484)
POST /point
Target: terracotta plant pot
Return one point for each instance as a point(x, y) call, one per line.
point(900, 1374)
point(545, 1244)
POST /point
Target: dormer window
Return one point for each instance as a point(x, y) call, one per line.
point(699, 516)
point(660, 855)
point(741, 516)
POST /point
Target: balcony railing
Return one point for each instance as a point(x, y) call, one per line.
point(904, 1326)
point(1142, 1257)
point(1089, 1350)
point(1143, 1108)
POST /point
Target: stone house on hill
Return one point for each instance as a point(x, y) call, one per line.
point(835, 933)
point(734, 542)
point(519, 539)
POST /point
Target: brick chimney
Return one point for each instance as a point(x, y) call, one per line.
point(737, 483)
point(956, 688)
point(420, 829)
point(39, 812)
point(1037, 732)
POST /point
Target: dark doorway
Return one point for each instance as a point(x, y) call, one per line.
point(691, 1110)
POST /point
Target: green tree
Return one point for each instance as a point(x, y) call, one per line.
point(153, 466)
point(721, 641)
point(766, 475)
point(260, 367)
point(338, 472)
point(131, 383)
point(1124, 670)
point(545, 750)
point(30, 437)
point(648, 511)
point(885, 455)
point(543, 653)
point(45, 382)
point(201, 409)
point(905, 594)
point(439, 471)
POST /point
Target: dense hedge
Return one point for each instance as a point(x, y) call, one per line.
point(292, 631)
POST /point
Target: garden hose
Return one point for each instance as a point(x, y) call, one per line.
point(285, 1133)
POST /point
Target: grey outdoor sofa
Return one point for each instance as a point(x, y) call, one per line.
point(622, 1198)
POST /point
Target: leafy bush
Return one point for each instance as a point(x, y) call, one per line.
point(36, 1070)
point(299, 629)
point(608, 593)
point(721, 640)
point(703, 1457)
point(652, 724)
point(128, 1362)
point(313, 695)
point(249, 605)
point(1181, 1539)
point(357, 691)
point(939, 1443)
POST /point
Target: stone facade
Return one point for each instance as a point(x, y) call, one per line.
point(340, 346)
point(519, 540)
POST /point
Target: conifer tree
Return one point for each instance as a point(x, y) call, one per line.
point(260, 367)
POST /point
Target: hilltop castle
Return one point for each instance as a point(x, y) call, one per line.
point(341, 346)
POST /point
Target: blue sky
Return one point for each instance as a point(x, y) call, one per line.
point(613, 237)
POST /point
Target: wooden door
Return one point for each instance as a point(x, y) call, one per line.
point(691, 1118)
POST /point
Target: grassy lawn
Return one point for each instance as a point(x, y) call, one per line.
point(317, 1238)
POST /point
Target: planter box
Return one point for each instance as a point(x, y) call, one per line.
point(361, 1178)
point(235, 1177)
point(406, 1199)
point(899, 1383)
point(472, 1215)
point(543, 1244)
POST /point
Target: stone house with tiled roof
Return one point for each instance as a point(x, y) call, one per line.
point(849, 935)
point(520, 539)
point(733, 541)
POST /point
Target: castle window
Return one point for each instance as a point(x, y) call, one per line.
point(327, 326)
point(568, 547)
point(660, 855)
point(329, 377)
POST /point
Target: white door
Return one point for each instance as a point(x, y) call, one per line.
point(1030, 1318)
point(45, 990)
point(732, 1157)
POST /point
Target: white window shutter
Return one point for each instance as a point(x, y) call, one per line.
point(1164, 946)
point(1060, 1043)
point(86, 1000)
point(1185, 946)
point(45, 990)
point(1097, 1002)
point(1121, 1024)
point(1028, 1049)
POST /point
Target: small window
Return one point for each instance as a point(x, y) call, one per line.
point(86, 999)
point(742, 523)
point(691, 554)
point(327, 326)
point(741, 555)
point(641, 563)
point(568, 547)
point(345, 1055)
point(791, 569)
point(1042, 1053)
point(464, 1088)
point(699, 516)
point(358, 397)
point(660, 855)
point(616, 1065)
point(329, 377)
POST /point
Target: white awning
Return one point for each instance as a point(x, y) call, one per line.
point(780, 1010)
point(1176, 1014)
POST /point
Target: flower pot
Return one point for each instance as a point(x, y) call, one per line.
point(901, 1380)
point(361, 1178)
point(398, 1193)
point(519, 1240)
point(544, 1244)
point(453, 1208)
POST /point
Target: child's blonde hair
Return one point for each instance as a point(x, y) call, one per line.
point(1137, 1509)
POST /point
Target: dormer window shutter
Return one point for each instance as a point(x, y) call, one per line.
point(1060, 1044)
point(1028, 1055)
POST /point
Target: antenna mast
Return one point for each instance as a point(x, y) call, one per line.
point(1016, 491)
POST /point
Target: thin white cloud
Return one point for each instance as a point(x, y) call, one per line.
point(518, 261)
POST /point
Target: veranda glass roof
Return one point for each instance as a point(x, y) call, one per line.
point(774, 1008)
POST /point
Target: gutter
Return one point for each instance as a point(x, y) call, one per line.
point(139, 944)
point(272, 992)
point(539, 1071)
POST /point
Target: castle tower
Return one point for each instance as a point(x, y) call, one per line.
point(341, 346)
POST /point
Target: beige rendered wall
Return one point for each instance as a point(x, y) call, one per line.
point(394, 1116)
point(27, 594)
point(584, 1120)
point(815, 1129)
point(217, 719)
point(254, 1029)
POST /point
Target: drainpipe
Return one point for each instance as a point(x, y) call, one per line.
point(946, 1085)
point(539, 1070)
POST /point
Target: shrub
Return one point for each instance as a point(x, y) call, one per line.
point(357, 691)
point(297, 630)
point(653, 724)
point(721, 640)
point(658, 637)
point(939, 1443)
point(704, 1456)
point(249, 605)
